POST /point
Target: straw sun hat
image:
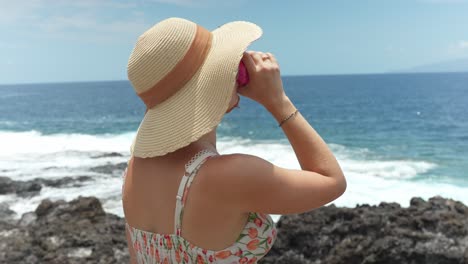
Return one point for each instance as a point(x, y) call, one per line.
point(185, 75)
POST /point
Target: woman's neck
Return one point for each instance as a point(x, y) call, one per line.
point(207, 141)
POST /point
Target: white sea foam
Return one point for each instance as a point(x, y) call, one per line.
point(27, 155)
point(34, 142)
point(349, 159)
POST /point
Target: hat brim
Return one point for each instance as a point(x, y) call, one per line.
point(199, 106)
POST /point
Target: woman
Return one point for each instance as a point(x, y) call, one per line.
point(183, 201)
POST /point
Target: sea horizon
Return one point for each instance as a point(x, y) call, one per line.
point(283, 76)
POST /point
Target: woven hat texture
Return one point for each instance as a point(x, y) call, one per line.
point(198, 103)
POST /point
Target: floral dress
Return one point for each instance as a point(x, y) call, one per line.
point(254, 241)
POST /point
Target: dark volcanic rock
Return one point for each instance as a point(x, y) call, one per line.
point(6, 214)
point(6, 185)
point(435, 231)
point(34, 186)
point(21, 188)
point(79, 231)
point(110, 168)
point(110, 154)
point(65, 181)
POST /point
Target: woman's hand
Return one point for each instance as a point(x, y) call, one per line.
point(265, 85)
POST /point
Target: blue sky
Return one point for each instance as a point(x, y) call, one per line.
point(87, 40)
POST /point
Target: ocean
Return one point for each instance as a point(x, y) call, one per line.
point(396, 136)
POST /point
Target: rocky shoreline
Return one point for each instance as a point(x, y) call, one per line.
point(433, 231)
point(79, 231)
point(34, 186)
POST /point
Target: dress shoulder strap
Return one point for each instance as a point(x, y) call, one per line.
point(191, 169)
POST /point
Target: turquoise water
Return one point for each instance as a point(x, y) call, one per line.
point(403, 133)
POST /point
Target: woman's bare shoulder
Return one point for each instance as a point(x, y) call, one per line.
point(251, 183)
point(229, 169)
point(227, 165)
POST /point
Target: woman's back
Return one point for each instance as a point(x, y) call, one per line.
point(215, 231)
point(186, 96)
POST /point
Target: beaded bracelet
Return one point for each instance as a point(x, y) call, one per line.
point(287, 118)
